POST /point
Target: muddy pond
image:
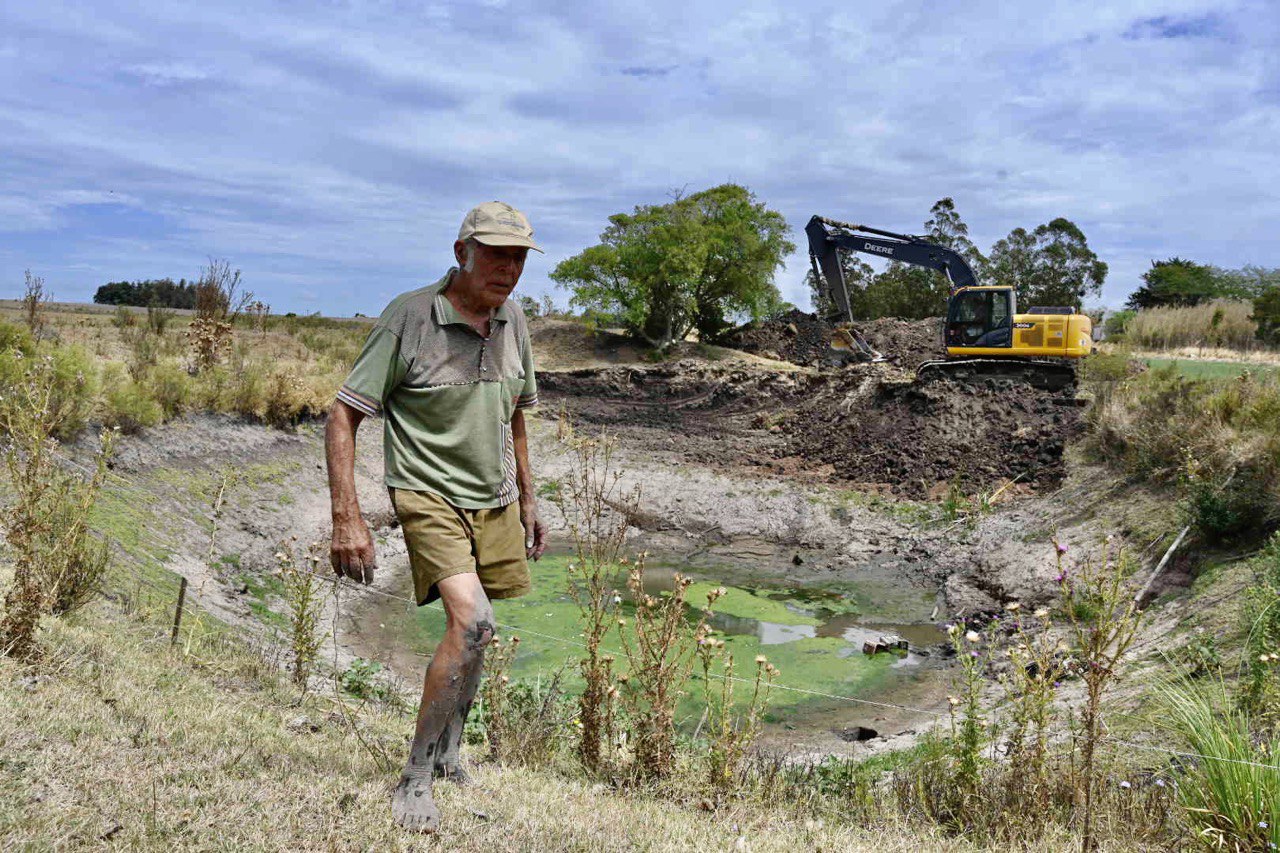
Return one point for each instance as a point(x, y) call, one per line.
point(815, 634)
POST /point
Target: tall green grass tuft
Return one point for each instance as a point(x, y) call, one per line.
point(1260, 695)
point(1231, 794)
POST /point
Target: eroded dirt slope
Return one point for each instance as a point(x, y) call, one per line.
point(866, 425)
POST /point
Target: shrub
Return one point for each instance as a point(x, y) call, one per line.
point(1117, 323)
point(1218, 438)
point(57, 566)
point(282, 400)
point(126, 405)
point(170, 386)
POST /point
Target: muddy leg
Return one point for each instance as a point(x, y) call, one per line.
point(468, 629)
point(448, 760)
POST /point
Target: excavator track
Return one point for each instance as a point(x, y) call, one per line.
point(1048, 375)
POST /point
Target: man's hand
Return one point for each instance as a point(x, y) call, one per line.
point(351, 551)
point(535, 532)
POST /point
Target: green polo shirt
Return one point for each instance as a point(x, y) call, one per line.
point(447, 395)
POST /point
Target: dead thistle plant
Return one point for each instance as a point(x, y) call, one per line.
point(660, 651)
point(597, 509)
point(730, 733)
point(219, 300)
point(1104, 620)
point(35, 302)
point(304, 596)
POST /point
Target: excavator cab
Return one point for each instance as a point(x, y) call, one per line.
point(980, 317)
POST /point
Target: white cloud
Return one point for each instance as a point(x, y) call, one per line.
point(339, 145)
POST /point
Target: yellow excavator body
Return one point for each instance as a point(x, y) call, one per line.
point(1048, 335)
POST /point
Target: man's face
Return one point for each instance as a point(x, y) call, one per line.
point(494, 272)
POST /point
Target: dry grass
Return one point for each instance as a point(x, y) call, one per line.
point(1220, 324)
point(279, 374)
point(121, 742)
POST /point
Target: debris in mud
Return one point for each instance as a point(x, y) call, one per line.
point(803, 338)
point(889, 643)
point(862, 425)
point(857, 734)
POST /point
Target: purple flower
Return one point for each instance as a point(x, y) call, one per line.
point(1125, 785)
point(1062, 549)
point(1262, 824)
point(1062, 576)
point(1159, 783)
point(973, 654)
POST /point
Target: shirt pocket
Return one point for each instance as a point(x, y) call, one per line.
point(512, 386)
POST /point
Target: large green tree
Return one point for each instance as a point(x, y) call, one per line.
point(1176, 281)
point(699, 262)
point(1050, 265)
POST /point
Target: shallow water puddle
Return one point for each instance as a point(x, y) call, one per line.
point(814, 636)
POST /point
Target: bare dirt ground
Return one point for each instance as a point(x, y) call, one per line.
point(862, 426)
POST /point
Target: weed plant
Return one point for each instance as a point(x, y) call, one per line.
point(35, 305)
point(58, 563)
point(597, 509)
point(1260, 694)
point(524, 723)
point(731, 735)
point(305, 594)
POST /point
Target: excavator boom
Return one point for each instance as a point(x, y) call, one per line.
point(828, 236)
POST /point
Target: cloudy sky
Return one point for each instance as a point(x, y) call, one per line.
point(330, 149)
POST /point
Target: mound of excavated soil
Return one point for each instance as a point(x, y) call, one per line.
point(803, 338)
point(916, 437)
point(852, 426)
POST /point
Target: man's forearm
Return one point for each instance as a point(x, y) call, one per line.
point(340, 456)
point(524, 474)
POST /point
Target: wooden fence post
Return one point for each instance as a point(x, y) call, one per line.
point(177, 613)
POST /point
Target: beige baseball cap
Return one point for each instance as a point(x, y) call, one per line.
point(496, 223)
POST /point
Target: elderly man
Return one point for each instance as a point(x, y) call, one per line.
point(450, 368)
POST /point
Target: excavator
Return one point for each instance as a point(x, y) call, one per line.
point(983, 334)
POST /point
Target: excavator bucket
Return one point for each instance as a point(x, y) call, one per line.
point(851, 341)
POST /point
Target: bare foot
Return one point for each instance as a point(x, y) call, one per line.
point(412, 806)
point(455, 773)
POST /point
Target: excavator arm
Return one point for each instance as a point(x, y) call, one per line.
point(827, 237)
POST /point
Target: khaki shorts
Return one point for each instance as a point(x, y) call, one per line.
point(445, 540)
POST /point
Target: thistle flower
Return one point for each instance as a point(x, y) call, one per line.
point(761, 659)
point(973, 637)
point(1125, 785)
point(1062, 549)
point(1041, 612)
point(1013, 607)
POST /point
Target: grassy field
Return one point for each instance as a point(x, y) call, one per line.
point(120, 742)
point(1210, 369)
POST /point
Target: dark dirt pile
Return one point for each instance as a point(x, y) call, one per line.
point(803, 338)
point(847, 426)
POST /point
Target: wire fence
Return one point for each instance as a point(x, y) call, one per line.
point(341, 582)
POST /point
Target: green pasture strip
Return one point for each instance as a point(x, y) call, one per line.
point(1196, 369)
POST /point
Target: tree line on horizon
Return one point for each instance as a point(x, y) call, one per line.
point(160, 292)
